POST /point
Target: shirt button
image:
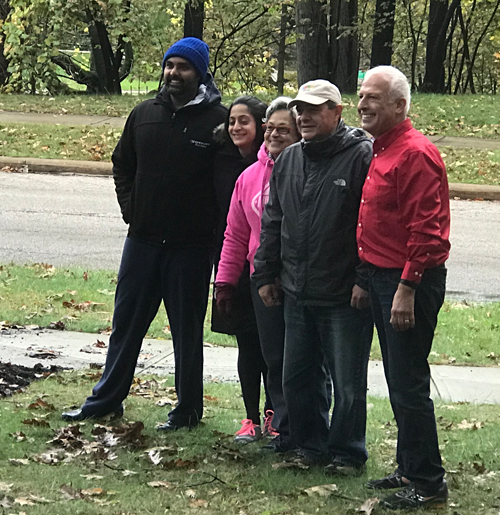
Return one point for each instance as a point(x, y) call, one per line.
point(383, 148)
point(368, 177)
point(360, 248)
point(416, 273)
point(428, 254)
point(359, 224)
point(164, 241)
point(362, 200)
point(375, 155)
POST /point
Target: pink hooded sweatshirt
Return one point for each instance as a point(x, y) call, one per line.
point(242, 236)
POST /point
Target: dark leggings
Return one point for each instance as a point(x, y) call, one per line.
point(251, 368)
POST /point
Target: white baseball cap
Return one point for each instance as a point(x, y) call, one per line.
point(317, 92)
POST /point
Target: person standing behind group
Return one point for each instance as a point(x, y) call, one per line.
point(163, 170)
point(240, 138)
point(308, 244)
point(403, 231)
point(241, 240)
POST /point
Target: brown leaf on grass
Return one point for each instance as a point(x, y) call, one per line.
point(5, 487)
point(190, 493)
point(69, 493)
point(100, 344)
point(39, 500)
point(289, 465)
point(88, 305)
point(23, 501)
point(41, 404)
point(198, 503)
point(473, 425)
point(85, 276)
point(179, 464)
point(161, 484)
point(122, 434)
point(479, 468)
point(165, 401)
point(210, 398)
point(60, 326)
point(368, 506)
point(19, 436)
point(322, 490)
point(35, 422)
point(51, 457)
point(18, 462)
point(69, 437)
point(92, 492)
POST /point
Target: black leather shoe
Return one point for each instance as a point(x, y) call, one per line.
point(393, 480)
point(78, 414)
point(411, 497)
point(281, 443)
point(170, 425)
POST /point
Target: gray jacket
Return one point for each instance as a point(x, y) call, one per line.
point(308, 236)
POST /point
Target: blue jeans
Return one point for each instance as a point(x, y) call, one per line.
point(321, 338)
point(407, 371)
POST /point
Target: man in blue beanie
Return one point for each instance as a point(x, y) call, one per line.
point(163, 173)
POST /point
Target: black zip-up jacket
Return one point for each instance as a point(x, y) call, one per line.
point(163, 167)
point(308, 236)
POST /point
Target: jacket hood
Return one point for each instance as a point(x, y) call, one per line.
point(343, 138)
point(263, 155)
point(207, 95)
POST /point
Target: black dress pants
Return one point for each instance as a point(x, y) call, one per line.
point(149, 273)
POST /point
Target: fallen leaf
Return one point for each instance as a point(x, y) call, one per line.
point(127, 473)
point(198, 503)
point(5, 487)
point(190, 493)
point(368, 506)
point(41, 404)
point(100, 344)
point(23, 501)
point(322, 490)
point(162, 484)
point(70, 493)
point(19, 462)
point(91, 477)
point(35, 422)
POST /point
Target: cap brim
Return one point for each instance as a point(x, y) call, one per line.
point(308, 99)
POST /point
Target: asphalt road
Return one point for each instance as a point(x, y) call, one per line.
point(75, 220)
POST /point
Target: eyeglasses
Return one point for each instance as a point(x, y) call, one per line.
point(282, 129)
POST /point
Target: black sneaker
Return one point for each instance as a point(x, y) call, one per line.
point(304, 458)
point(393, 480)
point(410, 498)
point(281, 443)
point(337, 468)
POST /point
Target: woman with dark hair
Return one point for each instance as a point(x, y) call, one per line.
point(240, 139)
point(242, 235)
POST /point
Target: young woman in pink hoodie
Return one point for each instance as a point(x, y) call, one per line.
point(241, 240)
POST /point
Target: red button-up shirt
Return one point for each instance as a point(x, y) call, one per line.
point(404, 216)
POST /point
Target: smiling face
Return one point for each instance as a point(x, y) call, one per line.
point(181, 78)
point(317, 121)
point(379, 112)
point(242, 128)
point(276, 142)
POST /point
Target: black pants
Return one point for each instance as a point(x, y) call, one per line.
point(407, 371)
point(149, 273)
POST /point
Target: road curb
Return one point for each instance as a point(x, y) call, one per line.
point(64, 166)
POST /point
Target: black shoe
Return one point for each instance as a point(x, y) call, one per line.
point(304, 458)
point(338, 468)
point(170, 425)
point(411, 497)
point(78, 414)
point(280, 443)
point(393, 480)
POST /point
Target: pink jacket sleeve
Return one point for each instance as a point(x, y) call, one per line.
point(236, 240)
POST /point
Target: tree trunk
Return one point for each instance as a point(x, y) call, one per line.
point(4, 63)
point(440, 15)
point(344, 45)
point(194, 17)
point(103, 59)
point(383, 32)
point(280, 79)
point(312, 40)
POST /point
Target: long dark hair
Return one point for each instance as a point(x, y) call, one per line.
point(257, 109)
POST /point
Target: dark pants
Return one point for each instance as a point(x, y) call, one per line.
point(149, 273)
point(251, 368)
point(407, 371)
point(339, 337)
point(271, 325)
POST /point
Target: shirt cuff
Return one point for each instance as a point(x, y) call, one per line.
point(412, 272)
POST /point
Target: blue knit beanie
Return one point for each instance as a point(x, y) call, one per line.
point(193, 50)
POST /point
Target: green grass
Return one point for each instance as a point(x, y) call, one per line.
point(35, 294)
point(461, 115)
point(90, 143)
point(206, 472)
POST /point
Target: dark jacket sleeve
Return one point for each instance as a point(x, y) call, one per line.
point(125, 167)
point(267, 261)
point(362, 271)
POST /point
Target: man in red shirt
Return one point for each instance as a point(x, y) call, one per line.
point(402, 234)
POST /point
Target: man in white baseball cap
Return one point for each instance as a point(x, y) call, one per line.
point(307, 258)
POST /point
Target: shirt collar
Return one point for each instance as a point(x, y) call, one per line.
point(391, 135)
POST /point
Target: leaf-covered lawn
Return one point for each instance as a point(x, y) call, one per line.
point(127, 467)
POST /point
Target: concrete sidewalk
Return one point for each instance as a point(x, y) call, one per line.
point(71, 349)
